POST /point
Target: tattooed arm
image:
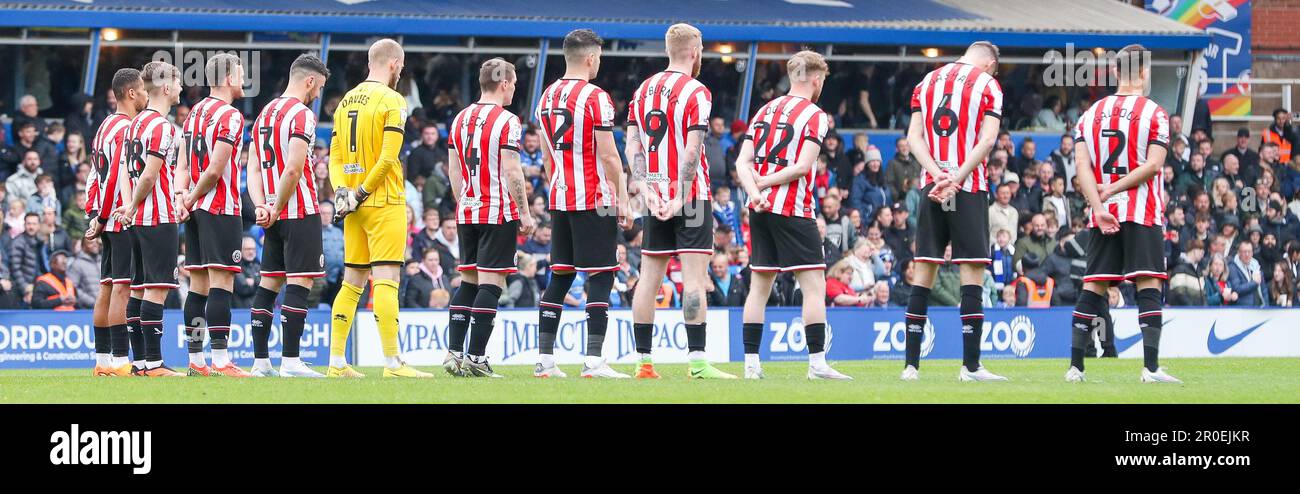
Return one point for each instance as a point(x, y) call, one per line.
point(514, 174)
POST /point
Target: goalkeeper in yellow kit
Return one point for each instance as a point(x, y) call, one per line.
point(370, 196)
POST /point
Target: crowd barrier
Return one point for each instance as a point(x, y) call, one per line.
point(34, 339)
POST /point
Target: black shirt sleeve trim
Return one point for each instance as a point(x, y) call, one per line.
point(395, 129)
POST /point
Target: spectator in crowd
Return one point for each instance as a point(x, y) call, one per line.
point(447, 245)
point(1218, 291)
point(78, 181)
point(14, 217)
point(21, 184)
point(738, 129)
point(1002, 268)
point(532, 161)
point(74, 217)
point(1280, 133)
point(1194, 176)
point(901, 290)
point(838, 161)
point(901, 167)
point(869, 189)
point(728, 289)
point(898, 234)
point(9, 297)
point(81, 120)
point(521, 287)
point(1030, 193)
point(1282, 288)
point(1034, 288)
point(864, 262)
point(1205, 148)
point(27, 114)
point(1280, 222)
point(1246, 278)
point(715, 152)
point(1176, 129)
point(245, 285)
point(839, 230)
point(1055, 202)
point(1247, 158)
point(73, 156)
point(725, 210)
point(9, 157)
point(332, 244)
point(538, 206)
point(1002, 215)
point(424, 239)
point(1062, 160)
point(880, 295)
point(947, 283)
point(838, 291)
point(429, 276)
point(1231, 174)
point(29, 139)
point(1037, 243)
point(53, 234)
point(53, 290)
point(1025, 159)
point(428, 156)
point(83, 272)
point(1186, 282)
point(539, 244)
point(1066, 265)
point(1051, 117)
point(44, 196)
point(27, 254)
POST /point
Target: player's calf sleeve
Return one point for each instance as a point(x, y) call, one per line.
point(344, 307)
point(1150, 321)
point(816, 335)
point(484, 311)
point(598, 289)
point(151, 315)
point(293, 314)
point(1085, 312)
point(262, 318)
point(103, 340)
point(1108, 342)
point(550, 308)
point(121, 337)
point(461, 302)
point(385, 297)
point(194, 312)
point(218, 314)
point(972, 325)
point(752, 336)
point(918, 304)
point(134, 334)
point(643, 334)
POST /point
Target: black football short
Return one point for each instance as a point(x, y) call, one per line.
point(153, 256)
point(1135, 251)
point(690, 232)
point(292, 248)
point(584, 240)
point(964, 224)
point(115, 258)
point(784, 243)
point(488, 248)
point(213, 241)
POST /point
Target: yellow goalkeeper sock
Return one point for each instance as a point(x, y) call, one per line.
point(385, 297)
point(345, 306)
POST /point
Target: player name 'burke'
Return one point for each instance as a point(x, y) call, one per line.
point(75, 447)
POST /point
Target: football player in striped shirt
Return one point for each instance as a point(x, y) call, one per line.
point(491, 210)
point(587, 200)
point(1120, 148)
point(776, 166)
point(956, 114)
point(151, 214)
point(285, 197)
point(207, 185)
point(668, 117)
point(107, 181)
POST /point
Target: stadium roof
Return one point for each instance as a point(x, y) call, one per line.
point(1022, 23)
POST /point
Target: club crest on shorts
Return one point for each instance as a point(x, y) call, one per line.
point(236, 255)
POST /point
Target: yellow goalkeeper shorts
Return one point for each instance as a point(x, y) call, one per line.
point(374, 236)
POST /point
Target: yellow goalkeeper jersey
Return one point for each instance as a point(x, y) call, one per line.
point(368, 128)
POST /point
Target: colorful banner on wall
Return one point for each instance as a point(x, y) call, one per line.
point(1228, 23)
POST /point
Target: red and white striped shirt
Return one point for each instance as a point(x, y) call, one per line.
point(210, 121)
point(571, 111)
point(780, 130)
point(666, 107)
point(1118, 130)
point(953, 101)
point(153, 135)
point(283, 119)
point(108, 157)
point(478, 135)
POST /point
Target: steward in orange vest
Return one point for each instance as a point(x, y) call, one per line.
point(53, 290)
point(1282, 134)
point(1037, 295)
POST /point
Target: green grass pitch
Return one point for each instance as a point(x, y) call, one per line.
point(1217, 380)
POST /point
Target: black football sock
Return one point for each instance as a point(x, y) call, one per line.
point(134, 334)
point(918, 304)
point(458, 327)
point(549, 310)
point(643, 334)
point(972, 325)
point(695, 337)
point(218, 312)
point(121, 337)
point(1085, 312)
point(816, 336)
point(752, 336)
point(484, 311)
point(151, 315)
point(598, 290)
point(194, 312)
point(263, 315)
point(103, 341)
point(293, 314)
point(1150, 322)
